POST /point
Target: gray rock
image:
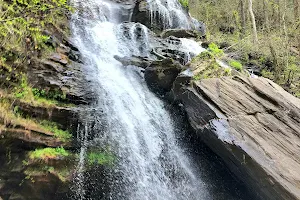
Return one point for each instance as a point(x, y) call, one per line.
point(160, 75)
point(179, 33)
point(142, 62)
point(254, 125)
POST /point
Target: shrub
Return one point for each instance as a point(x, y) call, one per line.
point(236, 65)
point(100, 158)
point(48, 153)
point(184, 3)
point(52, 127)
point(227, 71)
point(214, 49)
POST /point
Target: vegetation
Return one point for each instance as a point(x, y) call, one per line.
point(9, 116)
point(215, 50)
point(259, 33)
point(23, 34)
point(36, 96)
point(236, 65)
point(100, 158)
point(184, 3)
point(48, 153)
point(206, 66)
point(63, 135)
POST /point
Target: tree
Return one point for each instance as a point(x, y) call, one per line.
point(255, 38)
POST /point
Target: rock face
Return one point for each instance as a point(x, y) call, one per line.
point(62, 73)
point(179, 33)
point(160, 75)
point(253, 124)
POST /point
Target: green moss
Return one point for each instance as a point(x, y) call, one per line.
point(100, 158)
point(48, 153)
point(62, 172)
point(214, 49)
point(236, 65)
point(184, 3)
point(227, 71)
point(63, 135)
point(37, 96)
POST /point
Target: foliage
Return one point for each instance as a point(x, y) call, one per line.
point(23, 34)
point(215, 50)
point(37, 96)
point(63, 135)
point(278, 25)
point(100, 158)
point(236, 65)
point(23, 21)
point(227, 71)
point(184, 3)
point(48, 153)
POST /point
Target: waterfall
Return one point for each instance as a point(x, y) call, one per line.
point(127, 118)
point(170, 13)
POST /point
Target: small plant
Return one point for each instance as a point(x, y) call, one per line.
point(214, 49)
point(52, 127)
point(197, 77)
point(184, 3)
point(206, 55)
point(100, 158)
point(48, 153)
point(227, 71)
point(236, 65)
point(23, 90)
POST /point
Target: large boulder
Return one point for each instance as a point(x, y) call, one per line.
point(160, 75)
point(179, 33)
point(254, 125)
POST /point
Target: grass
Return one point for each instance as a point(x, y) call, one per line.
point(215, 50)
point(9, 118)
point(100, 158)
point(184, 3)
point(62, 172)
point(236, 65)
point(39, 97)
point(48, 153)
point(63, 135)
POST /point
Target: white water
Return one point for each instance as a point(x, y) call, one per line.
point(138, 128)
point(170, 13)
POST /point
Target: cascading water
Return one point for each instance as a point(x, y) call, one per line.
point(170, 13)
point(127, 118)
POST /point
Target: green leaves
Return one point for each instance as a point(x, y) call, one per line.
point(21, 19)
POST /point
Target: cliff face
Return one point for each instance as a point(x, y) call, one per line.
point(39, 103)
point(253, 124)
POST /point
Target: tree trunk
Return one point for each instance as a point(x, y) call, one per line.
point(255, 38)
point(266, 15)
point(243, 17)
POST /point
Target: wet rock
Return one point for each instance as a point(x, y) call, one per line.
point(254, 125)
point(179, 33)
point(151, 46)
point(29, 139)
point(59, 58)
point(160, 75)
point(142, 62)
point(63, 79)
point(66, 117)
